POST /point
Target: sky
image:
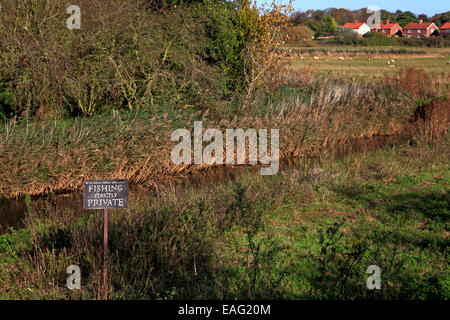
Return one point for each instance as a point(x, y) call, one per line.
point(430, 8)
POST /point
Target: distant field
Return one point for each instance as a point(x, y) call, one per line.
point(357, 50)
point(328, 64)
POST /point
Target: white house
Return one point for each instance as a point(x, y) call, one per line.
point(359, 27)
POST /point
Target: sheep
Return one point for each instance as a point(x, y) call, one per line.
point(369, 58)
point(341, 58)
point(316, 58)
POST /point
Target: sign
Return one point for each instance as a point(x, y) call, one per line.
point(105, 194)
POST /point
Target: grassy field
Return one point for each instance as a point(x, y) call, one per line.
point(364, 148)
point(329, 65)
point(308, 232)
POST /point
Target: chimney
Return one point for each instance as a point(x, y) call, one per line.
point(387, 21)
point(356, 20)
point(420, 21)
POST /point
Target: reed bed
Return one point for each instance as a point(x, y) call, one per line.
point(314, 116)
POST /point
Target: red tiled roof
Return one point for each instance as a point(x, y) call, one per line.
point(446, 25)
point(353, 25)
point(387, 26)
point(418, 26)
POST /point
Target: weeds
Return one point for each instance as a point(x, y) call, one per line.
point(315, 116)
point(258, 237)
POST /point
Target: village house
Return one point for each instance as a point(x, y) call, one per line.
point(445, 29)
point(419, 30)
point(389, 29)
point(359, 27)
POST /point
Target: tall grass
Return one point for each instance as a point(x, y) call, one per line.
point(315, 116)
point(305, 233)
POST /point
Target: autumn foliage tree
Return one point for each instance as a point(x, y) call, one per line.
point(262, 57)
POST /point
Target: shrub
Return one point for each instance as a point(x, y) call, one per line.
point(346, 36)
point(5, 101)
point(15, 244)
point(126, 54)
point(433, 42)
point(300, 35)
point(437, 42)
point(418, 83)
point(378, 39)
point(324, 27)
point(230, 26)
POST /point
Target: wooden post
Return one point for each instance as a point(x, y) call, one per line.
point(93, 191)
point(105, 254)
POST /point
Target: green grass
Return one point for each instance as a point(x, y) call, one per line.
point(309, 232)
point(432, 60)
point(376, 69)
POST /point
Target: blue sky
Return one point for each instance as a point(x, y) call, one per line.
point(416, 6)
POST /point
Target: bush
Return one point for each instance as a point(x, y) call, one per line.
point(126, 54)
point(347, 36)
point(14, 245)
point(437, 42)
point(6, 107)
point(324, 27)
point(433, 42)
point(300, 35)
point(378, 39)
point(229, 27)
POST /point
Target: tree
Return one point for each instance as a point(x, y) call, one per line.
point(422, 17)
point(324, 27)
point(406, 17)
point(385, 15)
point(301, 35)
point(440, 19)
point(361, 14)
point(341, 16)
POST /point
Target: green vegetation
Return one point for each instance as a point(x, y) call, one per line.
point(125, 55)
point(102, 102)
point(328, 24)
point(309, 232)
point(346, 36)
point(377, 39)
point(356, 64)
point(324, 27)
point(5, 102)
point(404, 18)
point(342, 16)
point(300, 35)
point(314, 116)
